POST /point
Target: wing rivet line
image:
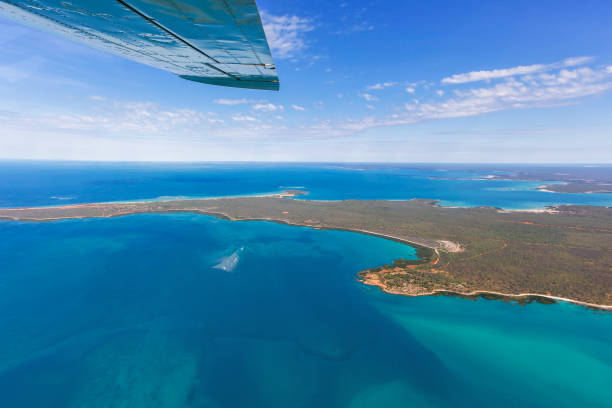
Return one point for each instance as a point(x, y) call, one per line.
point(177, 37)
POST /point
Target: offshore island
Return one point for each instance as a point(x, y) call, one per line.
point(559, 253)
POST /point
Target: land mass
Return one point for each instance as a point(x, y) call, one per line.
point(583, 179)
point(561, 253)
point(594, 179)
point(578, 186)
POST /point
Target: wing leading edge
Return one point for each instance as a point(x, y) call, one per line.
point(218, 42)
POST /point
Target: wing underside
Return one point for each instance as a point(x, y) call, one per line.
point(219, 42)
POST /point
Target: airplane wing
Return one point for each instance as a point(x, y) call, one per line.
point(219, 42)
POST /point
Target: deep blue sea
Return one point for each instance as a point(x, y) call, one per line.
point(184, 310)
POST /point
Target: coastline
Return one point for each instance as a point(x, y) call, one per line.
point(574, 187)
point(160, 199)
point(433, 249)
point(380, 285)
point(454, 247)
point(518, 297)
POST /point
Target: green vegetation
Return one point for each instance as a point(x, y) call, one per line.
point(576, 179)
point(565, 252)
point(579, 187)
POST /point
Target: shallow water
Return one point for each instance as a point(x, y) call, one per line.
point(172, 310)
point(60, 183)
point(135, 312)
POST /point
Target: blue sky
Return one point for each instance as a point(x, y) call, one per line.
point(405, 81)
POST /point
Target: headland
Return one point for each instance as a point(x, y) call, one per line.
point(561, 254)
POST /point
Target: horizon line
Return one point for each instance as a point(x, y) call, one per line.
point(297, 162)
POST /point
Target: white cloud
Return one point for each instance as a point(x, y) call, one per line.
point(268, 107)
point(496, 73)
point(244, 118)
point(285, 34)
point(106, 122)
point(235, 101)
point(148, 119)
point(381, 85)
point(410, 90)
point(535, 91)
point(440, 92)
point(514, 71)
point(137, 119)
point(368, 97)
point(576, 61)
point(542, 90)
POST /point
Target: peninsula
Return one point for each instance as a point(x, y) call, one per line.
point(562, 253)
point(593, 179)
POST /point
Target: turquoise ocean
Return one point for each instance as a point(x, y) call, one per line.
point(184, 310)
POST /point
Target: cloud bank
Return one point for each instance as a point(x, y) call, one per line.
point(485, 75)
point(286, 34)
